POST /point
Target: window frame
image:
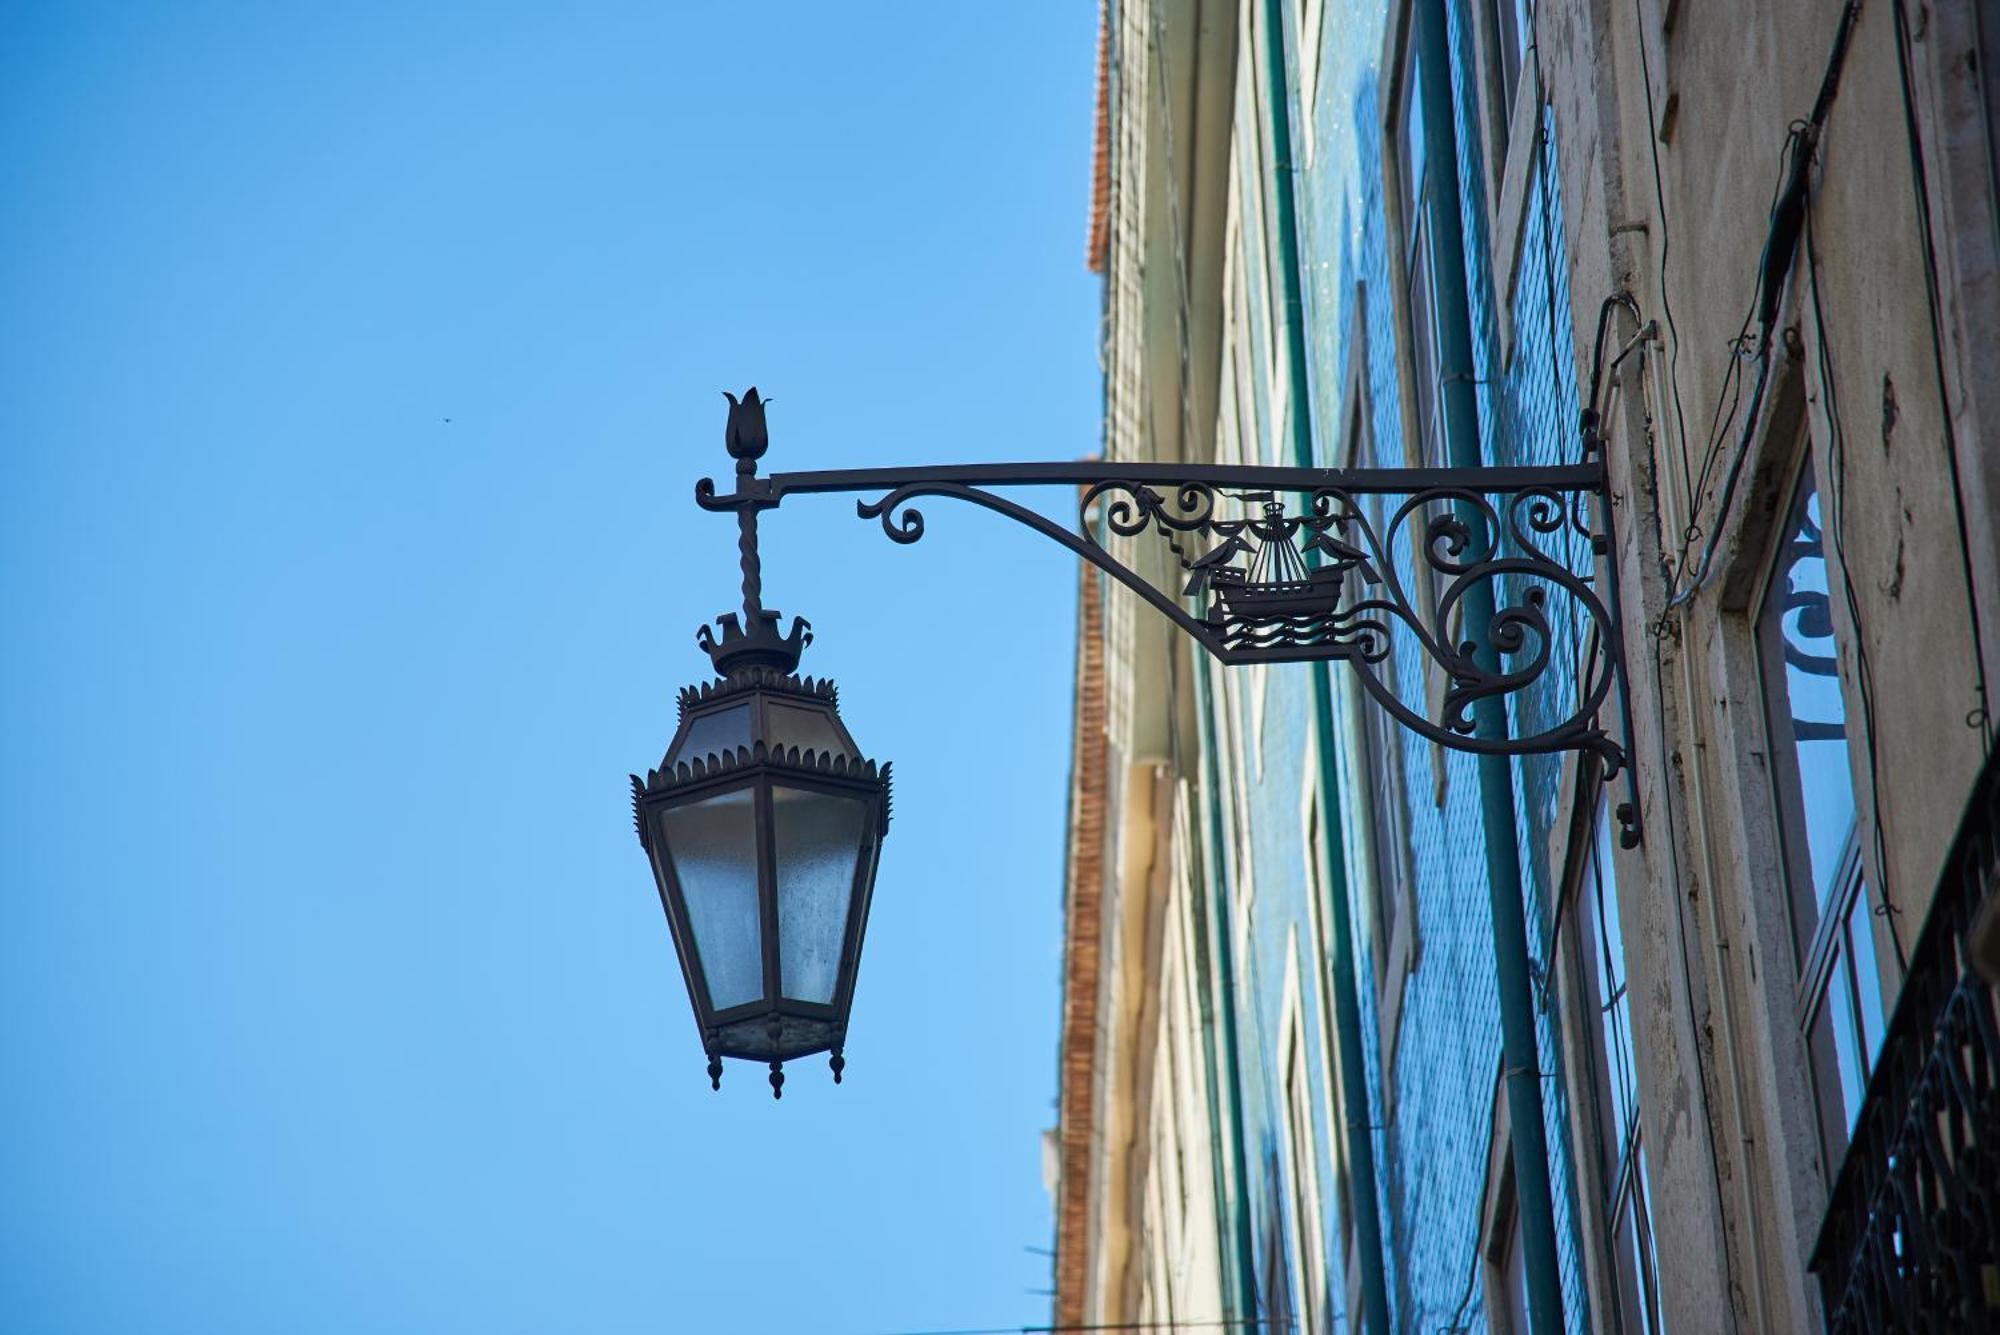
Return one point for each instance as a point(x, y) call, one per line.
point(1412, 244)
point(1261, 269)
point(1499, 1216)
point(1275, 1278)
point(1379, 761)
point(1316, 832)
point(1398, 58)
point(1394, 951)
point(1823, 934)
point(1510, 140)
point(1613, 1157)
point(1307, 1257)
point(1311, 16)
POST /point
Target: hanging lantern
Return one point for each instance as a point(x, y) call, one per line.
point(763, 824)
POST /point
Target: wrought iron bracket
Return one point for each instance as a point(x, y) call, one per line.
point(1286, 565)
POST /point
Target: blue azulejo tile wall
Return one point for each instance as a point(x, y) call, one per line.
point(1430, 1108)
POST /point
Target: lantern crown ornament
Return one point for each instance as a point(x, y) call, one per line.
point(763, 824)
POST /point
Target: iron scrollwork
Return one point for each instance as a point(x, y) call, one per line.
point(1327, 584)
point(1361, 562)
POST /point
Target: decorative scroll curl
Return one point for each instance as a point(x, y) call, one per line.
point(1340, 579)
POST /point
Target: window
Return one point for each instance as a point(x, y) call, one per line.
point(1512, 23)
point(1373, 770)
point(1503, 1266)
point(1510, 97)
point(1840, 999)
point(1388, 824)
point(1306, 1258)
point(1416, 263)
point(1628, 1198)
point(1413, 193)
point(1513, 1315)
point(1275, 1300)
point(1309, 13)
point(1304, 1184)
point(1320, 970)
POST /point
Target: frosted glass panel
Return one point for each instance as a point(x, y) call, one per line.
point(713, 844)
point(788, 725)
point(818, 842)
point(711, 734)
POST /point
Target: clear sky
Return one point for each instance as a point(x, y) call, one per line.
point(356, 365)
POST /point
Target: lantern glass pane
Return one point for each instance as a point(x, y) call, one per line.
point(712, 734)
point(807, 729)
point(818, 844)
point(713, 844)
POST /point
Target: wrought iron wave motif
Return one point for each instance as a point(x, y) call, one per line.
point(1326, 584)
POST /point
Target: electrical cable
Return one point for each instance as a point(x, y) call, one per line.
point(1864, 675)
point(1666, 241)
point(1593, 414)
point(1982, 714)
point(1731, 392)
point(1457, 1323)
point(1773, 268)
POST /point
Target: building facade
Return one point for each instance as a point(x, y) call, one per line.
point(1364, 1032)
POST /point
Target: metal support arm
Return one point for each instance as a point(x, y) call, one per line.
point(1310, 565)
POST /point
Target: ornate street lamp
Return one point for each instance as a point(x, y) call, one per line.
point(763, 824)
point(764, 821)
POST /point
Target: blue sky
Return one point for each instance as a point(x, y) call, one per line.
point(356, 367)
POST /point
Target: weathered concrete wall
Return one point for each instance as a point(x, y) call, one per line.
point(1671, 123)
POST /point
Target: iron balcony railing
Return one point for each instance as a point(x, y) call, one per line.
point(1911, 1239)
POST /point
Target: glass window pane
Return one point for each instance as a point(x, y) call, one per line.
point(1649, 1246)
point(1867, 982)
point(1631, 1281)
point(1850, 1061)
point(1590, 938)
point(1628, 1201)
point(806, 728)
point(1514, 1274)
point(713, 844)
point(1513, 27)
point(1802, 684)
point(818, 841)
point(712, 734)
point(1637, 1266)
point(1410, 138)
point(1423, 348)
point(1388, 832)
point(1621, 1063)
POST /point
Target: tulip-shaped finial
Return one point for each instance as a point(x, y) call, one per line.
point(745, 434)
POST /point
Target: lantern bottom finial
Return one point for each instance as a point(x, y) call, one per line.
point(714, 1071)
point(838, 1063)
point(777, 1080)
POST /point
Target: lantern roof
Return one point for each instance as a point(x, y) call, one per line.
point(757, 678)
point(716, 764)
point(755, 707)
